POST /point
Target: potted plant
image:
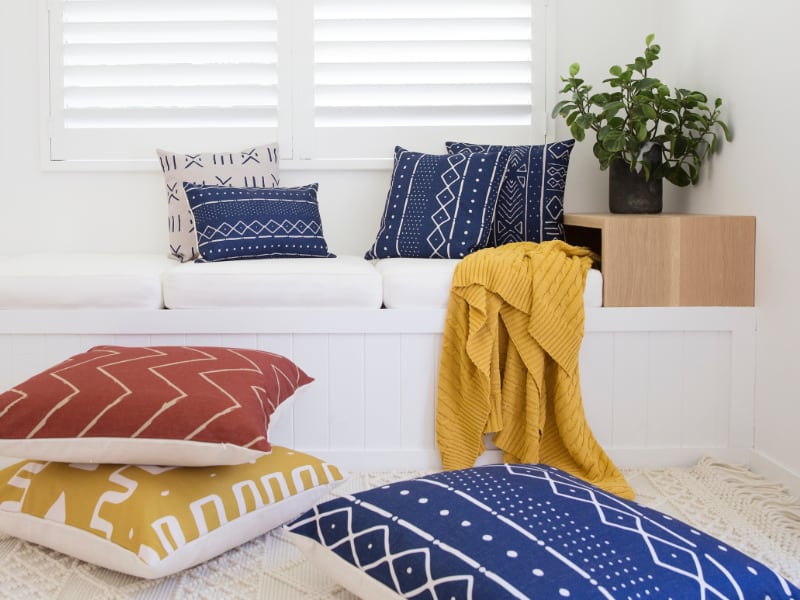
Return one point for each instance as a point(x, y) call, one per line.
point(645, 131)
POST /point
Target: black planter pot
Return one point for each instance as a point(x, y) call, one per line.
point(629, 193)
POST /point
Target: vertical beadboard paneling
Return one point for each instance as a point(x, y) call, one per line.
point(311, 413)
point(665, 391)
point(281, 429)
point(8, 377)
point(168, 339)
point(631, 374)
point(706, 395)
point(597, 384)
point(742, 382)
point(130, 339)
point(418, 354)
point(346, 395)
point(279, 343)
point(204, 339)
point(29, 355)
point(383, 386)
point(90, 341)
point(240, 340)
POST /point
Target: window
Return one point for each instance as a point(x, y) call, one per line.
point(344, 79)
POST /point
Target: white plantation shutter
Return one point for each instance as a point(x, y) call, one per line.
point(128, 76)
point(412, 72)
point(324, 78)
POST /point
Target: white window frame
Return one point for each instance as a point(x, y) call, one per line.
point(295, 130)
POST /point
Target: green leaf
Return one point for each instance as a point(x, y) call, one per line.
point(578, 132)
point(573, 69)
point(678, 176)
point(614, 141)
point(641, 131)
point(649, 39)
point(562, 108)
point(585, 120)
point(647, 83)
point(668, 117)
point(611, 109)
point(648, 112)
point(680, 145)
point(570, 119)
point(616, 70)
point(725, 130)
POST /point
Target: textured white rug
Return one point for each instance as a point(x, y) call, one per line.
point(728, 501)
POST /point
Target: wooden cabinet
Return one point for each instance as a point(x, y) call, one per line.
point(670, 259)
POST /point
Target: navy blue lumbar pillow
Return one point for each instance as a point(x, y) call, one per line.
point(439, 206)
point(530, 207)
point(520, 531)
point(237, 223)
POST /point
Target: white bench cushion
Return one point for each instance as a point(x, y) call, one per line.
point(82, 281)
point(425, 283)
point(341, 282)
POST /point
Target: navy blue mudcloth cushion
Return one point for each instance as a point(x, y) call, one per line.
point(530, 207)
point(236, 223)
point(439, 206)
point(520, 531)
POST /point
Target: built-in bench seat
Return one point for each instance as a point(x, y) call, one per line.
point(661, 385)
point(341, 282)
point(83, 281)
point(136, 281)
point(425, 283)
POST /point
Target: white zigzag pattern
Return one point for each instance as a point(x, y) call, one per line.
point(618, 515)
point(257, 228)
point(390, 558)
point(210, 376)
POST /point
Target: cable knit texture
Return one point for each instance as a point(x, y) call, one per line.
point(509, 362)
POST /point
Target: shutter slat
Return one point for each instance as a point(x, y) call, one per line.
point(170, 64)
point(421, 30)
point(423, 95)
point(124, 118)
point(423, 9)
point(422, 63)
point(174, 32)
point(417, 116)
point(165, 54)
point(422, 73)
point(421, 52)
point(110, 11)
point(170, 97)
point(171, 75)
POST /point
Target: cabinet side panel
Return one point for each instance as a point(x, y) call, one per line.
point(717, 261)
point(640, 255)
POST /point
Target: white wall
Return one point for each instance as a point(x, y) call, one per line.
point(742, 52)
point(745, 53)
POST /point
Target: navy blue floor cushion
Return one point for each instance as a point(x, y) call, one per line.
point(520, 531)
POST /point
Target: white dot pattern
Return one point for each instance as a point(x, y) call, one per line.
point(236, 223)
point(530, 531)
point(432, 212)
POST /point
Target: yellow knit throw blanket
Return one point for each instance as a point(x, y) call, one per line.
point(509, 362)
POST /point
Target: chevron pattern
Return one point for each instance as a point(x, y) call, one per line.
point(188, 393)
point(525, 531)
point(236, 223)
point(439, 206)
point(252, 167)
point(530, 207)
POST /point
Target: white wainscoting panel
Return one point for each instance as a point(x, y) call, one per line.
point(660, 386)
